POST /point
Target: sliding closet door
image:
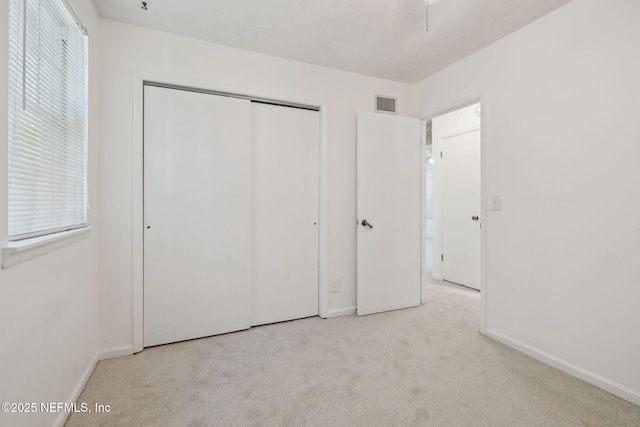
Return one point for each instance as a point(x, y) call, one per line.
point(197, 215)
point(284, 217)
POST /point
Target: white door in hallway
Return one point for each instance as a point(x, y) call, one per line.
point(460, 169)
point(284, 213)
point(389, 161)
point(197, 199)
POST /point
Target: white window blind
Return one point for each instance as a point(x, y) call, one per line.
point(47, 119)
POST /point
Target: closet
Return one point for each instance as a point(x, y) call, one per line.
point(230, 214)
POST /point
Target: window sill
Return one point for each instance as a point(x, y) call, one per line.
point(23, 250)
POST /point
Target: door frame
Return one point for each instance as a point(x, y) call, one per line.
point(137, 231)
point(482, 99)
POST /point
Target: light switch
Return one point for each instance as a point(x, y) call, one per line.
point(495, 203)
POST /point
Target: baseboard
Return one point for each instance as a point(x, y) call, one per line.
point(437, 276)
point(606, 384)
point(75, 394)
point(341, 312)
point(113, 352)
point(107, 353)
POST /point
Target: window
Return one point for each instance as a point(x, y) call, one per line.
point(47, 119)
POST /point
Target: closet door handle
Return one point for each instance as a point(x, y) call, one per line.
point(366, 223)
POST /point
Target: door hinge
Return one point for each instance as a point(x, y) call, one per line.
point(441, 257)
point(441, 154)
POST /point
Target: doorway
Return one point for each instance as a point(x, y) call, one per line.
point(453, 204)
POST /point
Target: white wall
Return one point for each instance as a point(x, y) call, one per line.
point(48, 305)
point(455, 121)
point(127, 49)
point(561, 132)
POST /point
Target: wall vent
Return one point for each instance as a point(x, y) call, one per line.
point(385, 104)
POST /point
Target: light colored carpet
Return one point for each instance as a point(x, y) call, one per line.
point(419, 366)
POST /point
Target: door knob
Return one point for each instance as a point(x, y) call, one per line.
point(475, 218)
point(366, 223)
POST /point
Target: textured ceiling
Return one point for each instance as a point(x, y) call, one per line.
point(381, 38)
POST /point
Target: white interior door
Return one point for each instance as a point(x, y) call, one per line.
point(284, 215)
point(460, 165)
point(389, 163)
point(197, 215)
